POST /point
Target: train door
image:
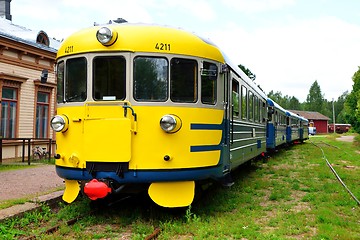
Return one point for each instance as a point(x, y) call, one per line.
point(235, 99)
point(227, 125)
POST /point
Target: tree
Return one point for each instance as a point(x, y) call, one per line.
point(352, 103)
point(315, 100)
point(294, 103)
point(340, 109)
point(247, 71)
point(286, 101)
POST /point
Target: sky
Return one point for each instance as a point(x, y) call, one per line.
point(287, 44)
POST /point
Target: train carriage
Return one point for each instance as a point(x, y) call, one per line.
point(293, 127)
point(304, 129)
point(154, 106)
point(276, 125)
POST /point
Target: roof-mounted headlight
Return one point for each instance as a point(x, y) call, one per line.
point(170, 123)
point(106, 36)
point(59, 123)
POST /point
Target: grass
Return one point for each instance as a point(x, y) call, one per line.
point(15, 164)
point(291, 195)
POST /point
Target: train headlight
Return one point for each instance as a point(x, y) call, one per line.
point(106, 36)
point(170, 123)
point(59, 123)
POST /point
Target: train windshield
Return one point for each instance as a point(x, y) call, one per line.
point(183, 84)
point(71, 80)
point(151, 79)
point(109, 75)
point(75, 81)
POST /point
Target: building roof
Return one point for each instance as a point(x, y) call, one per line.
point(26, 36)
point(311, 115)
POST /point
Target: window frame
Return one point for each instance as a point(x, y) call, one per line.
point(167, 80)
point(244, 102)
point(14, 132)
point(110, 97)
point(42, 132)
point(72, 97)
point(214, 81)
point(195, 80)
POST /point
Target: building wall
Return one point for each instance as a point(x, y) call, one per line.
point(321, 126)
point(27, 98)
point(21, 66)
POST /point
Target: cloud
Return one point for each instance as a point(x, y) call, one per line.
point(256, 6)
point(292, 56)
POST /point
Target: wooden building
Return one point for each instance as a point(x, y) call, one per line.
point(320, 121)
point(26, 103)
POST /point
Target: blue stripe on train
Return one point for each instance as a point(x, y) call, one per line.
point(207, 126)
point(142, 176)
point(270, 136)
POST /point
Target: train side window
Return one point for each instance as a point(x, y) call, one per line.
point(244, 102)
point(256, 103)
point(60, 82)
point(151, 79)
point(251, 106)
point(109, 78)
point(75, 81)
point(209, 74)
point(235, 98)
point(183, 80)
point(263, 110)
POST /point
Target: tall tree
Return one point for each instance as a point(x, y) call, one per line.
point(294, 103)
point(340, 109)
point(286, 101)
point(352, 103)
point(315, 100)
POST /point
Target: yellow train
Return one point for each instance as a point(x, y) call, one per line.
point(151, 106)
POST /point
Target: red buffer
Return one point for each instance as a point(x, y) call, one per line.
point(95, 189)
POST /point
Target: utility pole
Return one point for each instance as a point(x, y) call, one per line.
point(333, 114)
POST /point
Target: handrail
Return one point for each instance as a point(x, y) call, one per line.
point(29, 141)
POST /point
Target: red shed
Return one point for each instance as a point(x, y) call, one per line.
point(320, 121)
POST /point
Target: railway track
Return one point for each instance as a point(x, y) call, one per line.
point(49, 220)
point(333, 170)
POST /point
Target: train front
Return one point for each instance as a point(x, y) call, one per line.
point(138, 105)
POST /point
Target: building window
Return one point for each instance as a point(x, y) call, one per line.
point(42, 115)
point(43, 38)
point(9, 100)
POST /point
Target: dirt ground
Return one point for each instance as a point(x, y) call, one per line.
point(28, 182)
point(346, 138)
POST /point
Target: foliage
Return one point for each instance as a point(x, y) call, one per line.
point(352, 103)
point(315, 99)
point(286, 101)
point(247, 71)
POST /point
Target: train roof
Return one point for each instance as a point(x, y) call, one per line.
point(147, 38)
point(274, 104)
point(142, 38)
point(291, 114)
